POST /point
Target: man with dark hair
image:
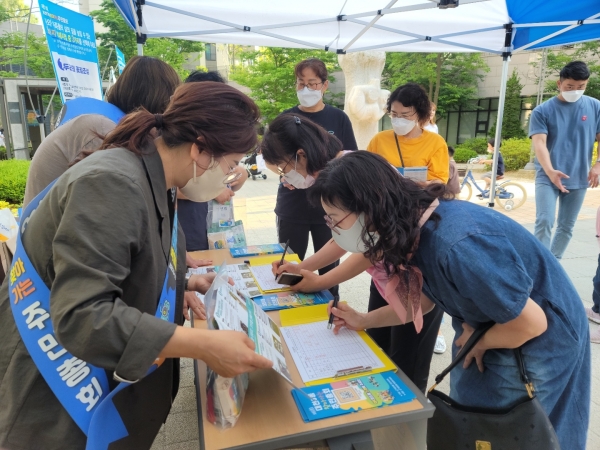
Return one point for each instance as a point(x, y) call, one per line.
point(200, 75)
point(563, 130)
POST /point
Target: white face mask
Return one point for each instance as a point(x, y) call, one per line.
point(308, 98)
point(572, 96)
point(297, 180)
point(402, 126)
point(350, 239)
point(207, 186)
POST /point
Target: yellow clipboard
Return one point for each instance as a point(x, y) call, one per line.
point(268, 260)
point(317, 313)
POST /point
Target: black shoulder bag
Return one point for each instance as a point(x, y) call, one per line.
point(522, 426)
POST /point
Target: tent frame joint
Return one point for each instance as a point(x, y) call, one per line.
point(580, 22)
point(342, 18)
point(247, 28)
point(341, 51)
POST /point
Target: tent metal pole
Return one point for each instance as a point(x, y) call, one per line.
point(140, 49)
point(508, 37)
point(498, 136)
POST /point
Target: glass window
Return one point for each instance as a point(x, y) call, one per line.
point(467, 126)
point(452, 128)
point(494, 104)
point(211, 52)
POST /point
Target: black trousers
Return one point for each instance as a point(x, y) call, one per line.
point(298, 234)
point(410, 351)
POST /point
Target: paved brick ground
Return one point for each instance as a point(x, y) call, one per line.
point(254, 205)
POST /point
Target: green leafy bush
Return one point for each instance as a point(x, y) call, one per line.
point(13, 175)
point(463, 154)
point(478, 145)
point(516, 153)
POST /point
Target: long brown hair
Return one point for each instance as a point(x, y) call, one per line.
point(145, 83)
point(217, 117)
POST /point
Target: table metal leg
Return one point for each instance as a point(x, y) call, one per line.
point(355, 441)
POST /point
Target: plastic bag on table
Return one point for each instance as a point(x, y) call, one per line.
point(224, 396)
point(228, 237)
point(220, 216)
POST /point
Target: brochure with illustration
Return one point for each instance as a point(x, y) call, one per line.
point(239, 273)
point(256, 250)
point(234, 311)
point(351, 395)
point(284, 300)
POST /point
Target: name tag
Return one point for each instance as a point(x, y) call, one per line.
point(414, 173)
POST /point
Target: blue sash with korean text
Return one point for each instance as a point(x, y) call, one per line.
point(81, 388)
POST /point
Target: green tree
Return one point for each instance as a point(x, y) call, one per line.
point(556, 60)
point(12, 54)
point(450, 79)
point(511, 120)
point(172, 51)
point(269, 73)
point(15, 10)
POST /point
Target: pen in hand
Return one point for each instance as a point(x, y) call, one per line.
point(336, 300)
point(283, 256)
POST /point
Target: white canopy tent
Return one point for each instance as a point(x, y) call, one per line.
point(501, 27)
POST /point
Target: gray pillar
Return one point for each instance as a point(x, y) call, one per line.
point(16, 120)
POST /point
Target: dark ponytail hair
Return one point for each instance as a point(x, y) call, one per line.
point(217, 117)
point(363, 182)
point(288, 133)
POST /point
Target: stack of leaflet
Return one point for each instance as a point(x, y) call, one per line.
point(348, 396)
point(289, 299)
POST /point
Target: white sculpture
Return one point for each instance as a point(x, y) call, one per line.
point(365, 100)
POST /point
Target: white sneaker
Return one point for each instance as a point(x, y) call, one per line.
point(593, 316)
point(594, 336)
point(440, 345)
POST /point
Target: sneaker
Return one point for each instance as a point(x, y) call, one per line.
point(440, 345)
point(595, 336)
point(593, 316)
point(485, 194)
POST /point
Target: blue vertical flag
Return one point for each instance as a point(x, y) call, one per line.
point(72, 45)
point(120, 59)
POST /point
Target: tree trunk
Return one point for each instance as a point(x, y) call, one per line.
point(430, 94)
point(438, 77)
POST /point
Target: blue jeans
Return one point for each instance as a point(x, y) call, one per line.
point(596, 293)
point(569, 205)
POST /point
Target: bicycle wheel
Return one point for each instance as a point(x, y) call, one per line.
point(465, 192)
point(511, 195)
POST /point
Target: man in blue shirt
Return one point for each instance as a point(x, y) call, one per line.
point(563, 130)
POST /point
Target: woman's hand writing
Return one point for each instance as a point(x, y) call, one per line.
point(345, 316)
point(285, 267)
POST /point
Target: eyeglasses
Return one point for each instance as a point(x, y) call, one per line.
point(232, 175)
point(333, 226)
point(311, 86)
point(407, 116)
point(282, 171)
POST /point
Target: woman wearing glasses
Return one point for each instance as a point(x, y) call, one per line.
point(480, 267)
point(296, 218)
point(106, 307)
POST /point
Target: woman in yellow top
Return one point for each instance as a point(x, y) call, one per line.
point(409, 145)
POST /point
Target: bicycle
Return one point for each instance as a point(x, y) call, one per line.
point(510, 194)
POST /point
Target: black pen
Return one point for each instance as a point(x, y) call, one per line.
point(283, 256)
point(336, 300)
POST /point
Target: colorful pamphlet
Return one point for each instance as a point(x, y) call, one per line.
point(239, 273)
point(284, 300)
point(234, 311)
point(351, 395)
point(256, 250)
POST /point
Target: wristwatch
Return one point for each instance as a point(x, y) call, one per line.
point(186, 282)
